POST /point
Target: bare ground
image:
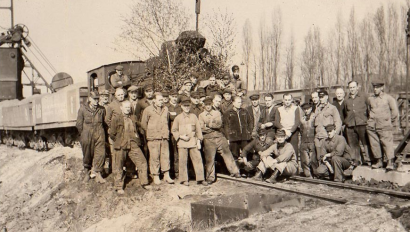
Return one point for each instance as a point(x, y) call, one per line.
point(42, 191)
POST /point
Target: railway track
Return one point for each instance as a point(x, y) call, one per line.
point(338, 200)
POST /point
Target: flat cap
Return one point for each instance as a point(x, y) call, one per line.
point(133, 88)
point(226, 90)
point(173, 92)
point(226, 76)
point(185, 100)
point(94, 95)
point(165, 93)
point(119, 67)
point(254, 97)
point(377, 82)
point(280, 132)
point(148, 87)
point(262, 132)
point(330, 127)
point(186, 81)
point(195, 95)
point(208, 101)
point(104, 92)
point(306, 105)
point(323, 93)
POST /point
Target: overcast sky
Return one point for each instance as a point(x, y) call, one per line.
point(78, 35)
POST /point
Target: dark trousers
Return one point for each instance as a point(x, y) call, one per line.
point(339, 164)
point(307, 155)
point(294, 140)
point(236, 146)
point(137, 157)
point(93, 151)
point(355, 134)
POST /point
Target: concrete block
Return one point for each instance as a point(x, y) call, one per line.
point(367, 173)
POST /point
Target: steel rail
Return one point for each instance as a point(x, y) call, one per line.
point(280, 188)
point(353, 187)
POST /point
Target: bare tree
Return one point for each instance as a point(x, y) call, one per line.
point(366, 45)
point(290, 63)
point(352, 44)
point(221, 26)
point(312, 59)
point(247, 46)
point(380, 30)
point(275, 46)
point(263, 42)
point(392, 38)
point(151, 23)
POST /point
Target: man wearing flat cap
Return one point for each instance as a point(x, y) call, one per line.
point(226, 103)
point(326, 114)
point(174, 109)
point(336, 157)
point(227, 84)
point(307, 146)
point(215, 142)
point(255, 111)
point(90, 126)
point(196, 107)
point(186, 87)
point(133, 97)
point(104, 98)
point(251, 153)
point(280, 157)
point(118, 79)
point(383, 115)
point(187, 132)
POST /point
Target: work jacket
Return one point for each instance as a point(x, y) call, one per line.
point(383, 112)
point(121, 135)
point(155, 122)
point(238, 125)
point(356, 110)
point(90, 123)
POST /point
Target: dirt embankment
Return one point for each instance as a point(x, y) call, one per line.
point(42, 191)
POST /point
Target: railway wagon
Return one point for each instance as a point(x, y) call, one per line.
point(42, 121)
point(100, 78)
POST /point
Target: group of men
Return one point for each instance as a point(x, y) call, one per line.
point(160, 131)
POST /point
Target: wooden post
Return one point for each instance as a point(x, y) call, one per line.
point(197, 12)
point(407, 69)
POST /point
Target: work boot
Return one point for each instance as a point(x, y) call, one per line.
point(258, 176)
point(86, 173)
point(99, 178)
point(236, 175)
point(204, 183)
point(272, 179)
point(157, 180)
point(378, 164)
point(167, 178)
point(120, 191)
point(390, 165)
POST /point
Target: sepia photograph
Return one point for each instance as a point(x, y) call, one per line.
point(204, 115)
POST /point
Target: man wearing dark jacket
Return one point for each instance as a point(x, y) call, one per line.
point(267, 119)
point(255, 111)
point(126, 143)
point(90, 122)
point(337, 155)
point(238, 127)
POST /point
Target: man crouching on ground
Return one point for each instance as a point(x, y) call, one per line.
point(187, 132)
point(283, 159)
point(126, 143)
